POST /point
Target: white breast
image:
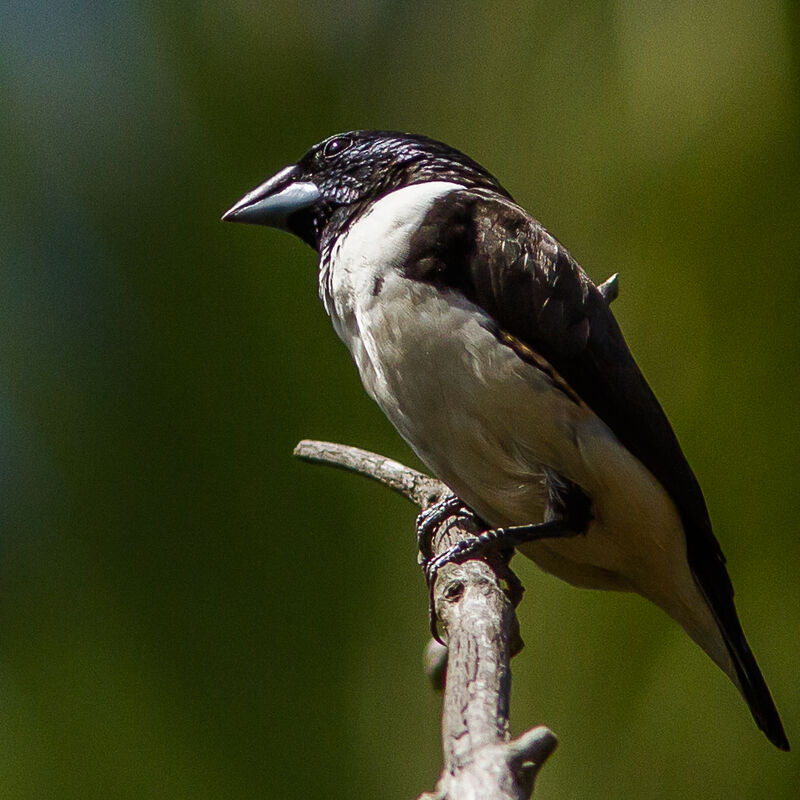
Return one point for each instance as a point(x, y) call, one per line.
point(485, 421)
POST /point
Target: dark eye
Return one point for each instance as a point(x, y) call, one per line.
point(336, 145)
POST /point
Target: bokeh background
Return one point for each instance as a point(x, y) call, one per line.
point(186, 611)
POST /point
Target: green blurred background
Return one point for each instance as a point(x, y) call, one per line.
point(186, 611)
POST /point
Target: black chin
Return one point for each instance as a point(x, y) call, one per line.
point(306, 225)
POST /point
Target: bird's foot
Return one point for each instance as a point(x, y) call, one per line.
point(504, 539)
point(433, 516)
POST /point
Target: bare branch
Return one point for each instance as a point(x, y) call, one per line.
point(413, 485)
point(474, 603)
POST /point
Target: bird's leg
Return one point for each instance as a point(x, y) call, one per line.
point(567, 513)
point(433, 516)
point(505, 538)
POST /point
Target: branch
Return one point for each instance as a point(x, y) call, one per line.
point(413, 485)
point(480, 625)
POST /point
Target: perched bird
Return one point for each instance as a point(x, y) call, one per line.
point(500, 363)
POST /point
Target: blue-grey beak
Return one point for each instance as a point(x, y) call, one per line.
point(273, 201)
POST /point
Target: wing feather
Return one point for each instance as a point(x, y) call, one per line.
point(504, 261)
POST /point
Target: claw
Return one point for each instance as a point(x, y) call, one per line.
point(506, 538)
point(433, 516)
point(427, 523)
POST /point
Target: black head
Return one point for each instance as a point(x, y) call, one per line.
point(338, 176)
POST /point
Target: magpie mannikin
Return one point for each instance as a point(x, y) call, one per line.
point(500, 363)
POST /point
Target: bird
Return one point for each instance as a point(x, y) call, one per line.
point(501, 364)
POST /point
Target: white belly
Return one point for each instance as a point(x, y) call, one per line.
point(485, 421)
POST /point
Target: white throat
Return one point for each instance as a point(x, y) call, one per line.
point(375, 244)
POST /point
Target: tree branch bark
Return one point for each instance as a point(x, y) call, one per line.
point(474, 603)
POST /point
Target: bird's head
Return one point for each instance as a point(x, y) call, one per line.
point(340, 174)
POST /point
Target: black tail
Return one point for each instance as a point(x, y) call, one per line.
point(754, 687)
point(719, 594)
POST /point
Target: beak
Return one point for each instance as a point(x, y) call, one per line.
point(273, 201)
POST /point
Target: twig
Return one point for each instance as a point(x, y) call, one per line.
point(482, 633)
point(413, 485)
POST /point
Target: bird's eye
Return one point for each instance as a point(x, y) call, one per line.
point(336, 145)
